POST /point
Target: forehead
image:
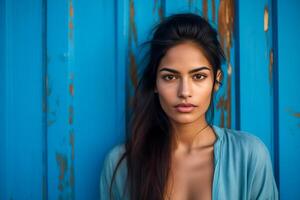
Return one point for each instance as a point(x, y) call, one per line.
point(184, 57)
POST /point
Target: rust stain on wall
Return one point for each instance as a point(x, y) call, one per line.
point(213, 10)
point(72, 174)
point(62, 163)
point(132, 43)
point(266, 19)
point(296, 114)
point(225, 25)
point(271, 61)
point(71, 142)
point(293, 113)
point(133, 31)
point(71, 22)
point(71, 89)
point(205, 8)
point(225, 28)
point(133, 69)
point(158, 6)
point(71, 10)
point(71, 114)
point(161, 13)
point(70, 178)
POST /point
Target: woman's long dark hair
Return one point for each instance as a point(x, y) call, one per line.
point(148, 143)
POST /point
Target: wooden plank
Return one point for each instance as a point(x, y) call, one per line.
point(23, 125)
point(3, 90)
point(256, 72)
point(289, 98)
point(59, 104)
point(98, 105)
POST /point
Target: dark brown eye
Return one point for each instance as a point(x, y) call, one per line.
point(199, 76)
point(169, 77)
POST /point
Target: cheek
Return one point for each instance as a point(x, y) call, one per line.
point(167, 95)
point(204, 96)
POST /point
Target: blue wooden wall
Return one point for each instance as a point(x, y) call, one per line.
point(68, 69)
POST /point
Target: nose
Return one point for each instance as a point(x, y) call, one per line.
point(184, 89)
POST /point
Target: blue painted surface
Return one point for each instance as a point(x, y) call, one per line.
point(22, 104)
point(256, 82)
point(2, 100)
point(67, 74)
point(289, 98)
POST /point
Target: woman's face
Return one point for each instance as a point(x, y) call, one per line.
point(184, 83)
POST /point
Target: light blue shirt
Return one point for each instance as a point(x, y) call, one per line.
point(242, 169)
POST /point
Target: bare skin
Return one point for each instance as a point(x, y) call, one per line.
point(192, 170)
point(185, 76)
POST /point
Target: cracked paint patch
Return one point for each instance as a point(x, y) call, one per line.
point(225, 28)
point(266, 19)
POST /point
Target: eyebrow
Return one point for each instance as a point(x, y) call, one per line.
point(190, 72)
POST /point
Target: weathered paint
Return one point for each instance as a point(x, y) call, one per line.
point(123, 30)
point(205, 8)
point(225, 28)
point(213, 10)
point(271, 62)
point(266, 19)
point(133, 42)
point(62, 162)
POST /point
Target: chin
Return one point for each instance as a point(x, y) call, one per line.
point(184, 119)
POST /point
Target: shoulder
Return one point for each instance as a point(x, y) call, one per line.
point(114, 155)
point(110, 162)
point(246, 143)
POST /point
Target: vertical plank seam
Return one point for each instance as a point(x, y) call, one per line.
point(275, 92)
point(237, 67)
point(45, 101)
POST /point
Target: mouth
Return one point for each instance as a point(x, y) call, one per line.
point(185, 107)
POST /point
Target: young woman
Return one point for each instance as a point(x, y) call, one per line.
point(172, 150)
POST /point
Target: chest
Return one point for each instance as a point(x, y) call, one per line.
point(191, 176)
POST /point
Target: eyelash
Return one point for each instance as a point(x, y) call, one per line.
point(165, 77)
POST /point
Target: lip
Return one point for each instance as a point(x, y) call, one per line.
point(185, 107)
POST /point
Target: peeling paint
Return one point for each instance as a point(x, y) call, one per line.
point(296, 114)
point(133, 31)
point(71, 10)
point(271, 61)
point(62, 163)
point(158, 6)
point(71, 23)
point(71, 114)
point(71, 89)
point(225, 28)
point(266, 19)
point(205, 9)
point(72, 173)
point(71, 141)
point(293, 113)
point(132, 44)
point(213, 10)
point(225, 25)
point(133, 69)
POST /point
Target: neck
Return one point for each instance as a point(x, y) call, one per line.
point(190, 136)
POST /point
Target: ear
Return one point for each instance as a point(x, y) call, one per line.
point(218, 80)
